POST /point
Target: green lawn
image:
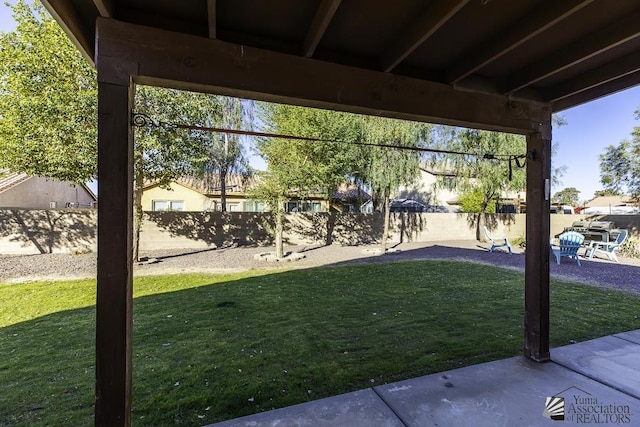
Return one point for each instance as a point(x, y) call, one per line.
point(209, 348)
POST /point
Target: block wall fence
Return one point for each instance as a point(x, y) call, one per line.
point(25, 231)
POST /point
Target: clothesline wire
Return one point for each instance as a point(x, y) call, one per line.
point(143, 120)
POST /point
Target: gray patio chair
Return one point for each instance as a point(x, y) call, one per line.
point(497, 242)
point(607, 249)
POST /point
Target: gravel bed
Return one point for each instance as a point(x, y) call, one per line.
point(14, 269)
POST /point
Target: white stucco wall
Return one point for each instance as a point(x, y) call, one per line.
point(38, 193)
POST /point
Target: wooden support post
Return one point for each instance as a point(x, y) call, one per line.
point(115, 231)
point(536, 318)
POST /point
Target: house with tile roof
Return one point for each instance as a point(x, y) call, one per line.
point(195, 194)
point(611, 205)
point(201, 194)
point(22, 191)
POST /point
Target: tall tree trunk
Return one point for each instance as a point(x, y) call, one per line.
point(223, 174)
point(279, 231)
point(387, 217)
point(223, 189)
point(137, 212)
point(482, 216)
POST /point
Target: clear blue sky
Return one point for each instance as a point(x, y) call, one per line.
point(590, 128)
point(6, 21)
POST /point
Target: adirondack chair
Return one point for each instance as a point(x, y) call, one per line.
point(568, 246)
point(497, 242)
point(607, 249)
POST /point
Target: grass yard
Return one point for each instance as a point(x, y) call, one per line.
point(209, 348)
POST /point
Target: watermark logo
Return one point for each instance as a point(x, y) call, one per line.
point(554, 408)
point(582, 407)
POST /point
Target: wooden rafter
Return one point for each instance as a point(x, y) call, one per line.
point(319, 25)
point(211, 13)
point(105, 8)
point(164, 58)
point(519, 33)
point(602, 41)
point(434, 18)
point(606, 73)
point(596, 92)
point(69, 20)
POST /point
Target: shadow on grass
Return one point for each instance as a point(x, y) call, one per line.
point(208, 348)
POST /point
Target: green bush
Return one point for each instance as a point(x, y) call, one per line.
point(519, 241)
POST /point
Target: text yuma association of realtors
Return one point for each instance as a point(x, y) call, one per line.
point(589, 410)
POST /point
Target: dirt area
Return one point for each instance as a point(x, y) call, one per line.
point(624, 275)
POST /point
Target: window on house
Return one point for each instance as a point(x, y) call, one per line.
point(304, 207)
point(292, 207)
point(254, 206)
point(449, 182)
point(233, 207)
point(311, 207)
point(167, 205)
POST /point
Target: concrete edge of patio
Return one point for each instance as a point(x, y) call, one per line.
point(596, 381)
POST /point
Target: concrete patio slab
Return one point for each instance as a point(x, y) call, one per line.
point(358, 409)
point(510, 392)
point(633, 336)
point(610, 360)
point(594, 382)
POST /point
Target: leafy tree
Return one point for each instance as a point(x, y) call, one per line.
point(47, 100)
point(296, 168)
point(620, 167)
point(488, 169)
point(165, 153)
point(48, 111)
point(604, 193)
point(225, 151)
point(557, 172)
point(387, 168)
point(473, 201)
point(567, 196)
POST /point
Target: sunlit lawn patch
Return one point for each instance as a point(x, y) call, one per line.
point(208, 348)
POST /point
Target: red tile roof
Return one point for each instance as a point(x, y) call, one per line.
point(9, 179)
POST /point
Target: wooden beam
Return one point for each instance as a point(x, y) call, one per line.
point(211, 12)
point(536, 318)
point(67, 17)
point(434, 18)
point(609, 88)
point(105, 8)
point(517, 34)
point(627, 65)
point(163, 58)
point(600, 42)
point(319, 25)
point(115, 231)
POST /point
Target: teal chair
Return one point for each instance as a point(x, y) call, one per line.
point(569, 244)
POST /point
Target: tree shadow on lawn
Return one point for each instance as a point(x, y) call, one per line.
point(217, 351)
point(603, 273)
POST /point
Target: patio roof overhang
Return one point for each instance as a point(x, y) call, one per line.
point(491, 64)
